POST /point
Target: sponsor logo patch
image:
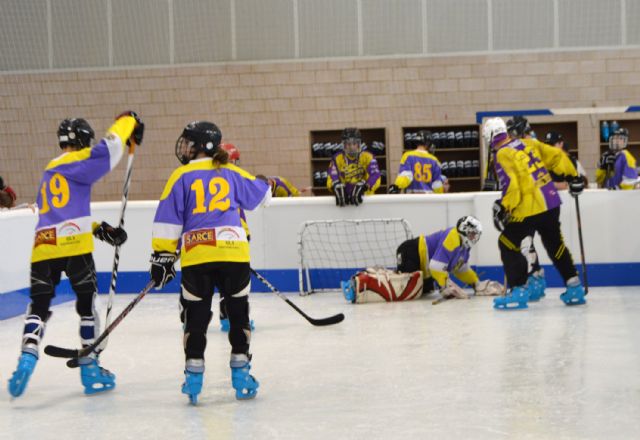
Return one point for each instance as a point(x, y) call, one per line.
point(228, 234)
point(45, 236)
point(199, 237)
point(69, 228)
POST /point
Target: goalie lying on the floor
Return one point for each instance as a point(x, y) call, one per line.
point(424, 265)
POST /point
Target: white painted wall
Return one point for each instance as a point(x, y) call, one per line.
point(609, 220)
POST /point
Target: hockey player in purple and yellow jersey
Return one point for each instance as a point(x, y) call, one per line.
point(199, 209)
point(617, 166)
point(420, 171)
point(281, 187)
point(64, 241)
point(443, 253)
point(530, 203)
point(352, 172)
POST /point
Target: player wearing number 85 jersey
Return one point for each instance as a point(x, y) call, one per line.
point(419, 169)
point(198, 210)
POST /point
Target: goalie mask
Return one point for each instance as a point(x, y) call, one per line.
point(75, 133)
point(619, 139)
point(494, 130)
point(470, 230)
point(197, 137)
point(352, 141)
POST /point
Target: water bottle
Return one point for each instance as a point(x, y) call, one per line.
point(604, 131)
point(613, 127)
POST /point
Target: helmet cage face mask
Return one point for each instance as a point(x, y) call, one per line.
point(618, 141)
point(352, 147)
point(185, 150)
point(470, 231)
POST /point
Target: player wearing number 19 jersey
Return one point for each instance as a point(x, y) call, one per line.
point(198, 211)
point(63, 241)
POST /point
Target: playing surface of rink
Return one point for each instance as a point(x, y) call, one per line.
point(457, 370)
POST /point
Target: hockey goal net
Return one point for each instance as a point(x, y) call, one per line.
point(333, 250)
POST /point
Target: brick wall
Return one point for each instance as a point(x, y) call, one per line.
point(268, 109)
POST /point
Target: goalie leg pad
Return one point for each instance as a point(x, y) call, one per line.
point(377, 285)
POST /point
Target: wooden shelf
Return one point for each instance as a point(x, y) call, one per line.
point(369, 135)
point(463, 178)
point(629, 144)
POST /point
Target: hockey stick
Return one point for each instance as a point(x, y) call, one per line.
point(55, 351)
point(584, 265)
point(116, 255)
point(318, 322)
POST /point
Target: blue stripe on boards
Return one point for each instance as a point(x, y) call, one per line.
point(14, 303)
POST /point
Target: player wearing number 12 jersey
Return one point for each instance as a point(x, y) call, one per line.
point(198, 210)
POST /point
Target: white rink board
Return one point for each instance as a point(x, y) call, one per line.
point(609, 225)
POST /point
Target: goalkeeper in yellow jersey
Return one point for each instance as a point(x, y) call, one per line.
point(420, 171)
point(352, 172)
point(530, 203)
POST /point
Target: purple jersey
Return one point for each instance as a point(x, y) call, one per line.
point(199, 205)
point(419, 173)
point(351, 171)
point(64, 226)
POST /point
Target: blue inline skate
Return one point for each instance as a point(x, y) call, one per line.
point(20, 378)
point(246, 385)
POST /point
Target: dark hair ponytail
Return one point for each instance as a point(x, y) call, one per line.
point(220, 157)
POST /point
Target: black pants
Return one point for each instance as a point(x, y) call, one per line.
point(198, 284)
point(547, 224)
point(45, 276)
point(408, 260)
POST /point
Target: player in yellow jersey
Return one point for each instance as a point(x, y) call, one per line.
point(530, 203)
point(352, 172)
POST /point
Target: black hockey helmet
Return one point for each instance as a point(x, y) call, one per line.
point(198, 136)
point(553, 138)
point(75, 132)
point(518, 126)
point(619, 139)
point(424, 137)
point(351, 135)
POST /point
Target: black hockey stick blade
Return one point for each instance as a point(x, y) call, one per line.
point(60, 352)
point(330, 320)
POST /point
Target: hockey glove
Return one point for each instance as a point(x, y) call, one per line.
point(607, 160)
point(107, 233)
point(358, 193)
point(500, 216)
point(452, 290)
point(394, 189)
point(576, 185)
point(488, 288)
point(338, 191)
point(138, 131)
point(162, 270)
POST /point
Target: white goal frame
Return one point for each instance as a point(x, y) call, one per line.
point(304, 268)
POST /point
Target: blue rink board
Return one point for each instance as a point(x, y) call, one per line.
point(15, 302)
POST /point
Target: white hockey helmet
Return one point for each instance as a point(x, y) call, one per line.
point(470, 230)
point(492, 128)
